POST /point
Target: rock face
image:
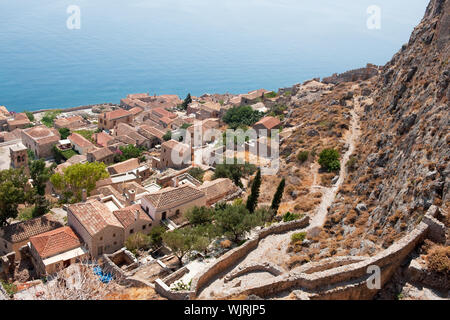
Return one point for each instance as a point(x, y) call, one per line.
point(353, 75)
point(403, 156)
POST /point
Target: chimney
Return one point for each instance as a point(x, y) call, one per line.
point(136, 215)
point(131, 195)
point(84, 195)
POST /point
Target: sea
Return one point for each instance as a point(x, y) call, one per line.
point(68, 53)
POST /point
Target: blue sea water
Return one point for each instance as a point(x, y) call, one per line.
point(181, 46)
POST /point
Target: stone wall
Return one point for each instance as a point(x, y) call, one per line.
point(231, 257)
point(241, 270)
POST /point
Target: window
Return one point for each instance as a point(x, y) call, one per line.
point(143, 227)
point(131, 231)
point(101, 238)
point(115, 242)
point(114, 235)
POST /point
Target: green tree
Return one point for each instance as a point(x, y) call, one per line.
point(329, 160)
point(64, 132)
point(167, 136)
point(234, 221)
point(239, 116)
point(78, 177)
point(252, 201)
point(156, 235)
point(180, 241)
point(40, 175)
point(137, 241)
point(234, 171)
point(12, 193)
point(49, 117)
point(186, 102)
point(30, 116)
point(278, 196)
point(197, 173)
point(128, 152)
point(199, 215)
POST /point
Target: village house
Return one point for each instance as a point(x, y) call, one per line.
point(16, 235)
point(174, 155)
point(102, 138)
point(20, 121)
point(124, 130)
point(19, 156)
point(162, 117)
point(205, 110)
point(134, 220)
point(6, 136)
point(266, 124)
point(41, 140)
point(105, 155)
point(249, 98)
point(217, 190)
point(130, 166)
point(109, 120)
point(152, 134)
point(97, 226)
point(171, 201)
point(72, 123)
point(55, 250)
point(81, 144)
point(136, 111)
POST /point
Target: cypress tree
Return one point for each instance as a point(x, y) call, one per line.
point(187, 101)
point(252, 200)
point(278, 196)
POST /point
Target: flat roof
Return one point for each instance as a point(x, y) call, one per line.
point(74, 253)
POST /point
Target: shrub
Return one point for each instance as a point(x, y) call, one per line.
point(298, 237)
point(197, 173)
point(167, 136)
point(302, 156)
point(329, 160)
point(439, 259)
point(290, 217)
point(270, 95)
point(352, 164)
point(137, 241)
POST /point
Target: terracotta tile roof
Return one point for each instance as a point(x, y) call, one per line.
point(70, 121)
point(126, 216)
point(153, 131)
point(101, 153)
point(79, 140)
point(102, 138)
point(125, 139)
point(22, 231)
point(216, 188)
point(268, 122)
point(116, 114)
point(172, 144)
point(161, 113)
point(55, 242)
point(79, 158)
point(137, 95)
point(40, 132)
point(124, 166)
point(4, 111)
point(172, 197)
point(136, 110)
point(94, 216)
point(166, 120)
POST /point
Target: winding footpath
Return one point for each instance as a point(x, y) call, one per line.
point(272, 249)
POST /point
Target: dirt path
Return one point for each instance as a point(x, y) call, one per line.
point(273, 248)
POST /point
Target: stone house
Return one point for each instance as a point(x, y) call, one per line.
point(41, 140)
point(81, 144)
point(267, 123)
point(19, 156)
point(217, 190)
point(97, 226)
point(16, 235)
point(153, 135)
point(55, 250)
point(102, 138)
point(105, 155)
point(109, 120)
point(74, 122)
point(174, 155)
point(132, 133)
point(134, 220)
point(171, 201)
point(205, 110)
point(20, 121)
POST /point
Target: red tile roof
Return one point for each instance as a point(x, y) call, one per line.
point(94, 216)
point(172, 197)
point(55, 242)
point(116, 114)
point(161, 112)
point(22, 231)
point(136, 110)
point(79, 140)
point(124, 166)
point(127, 216)
point(268, 122)
point(103, 138)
